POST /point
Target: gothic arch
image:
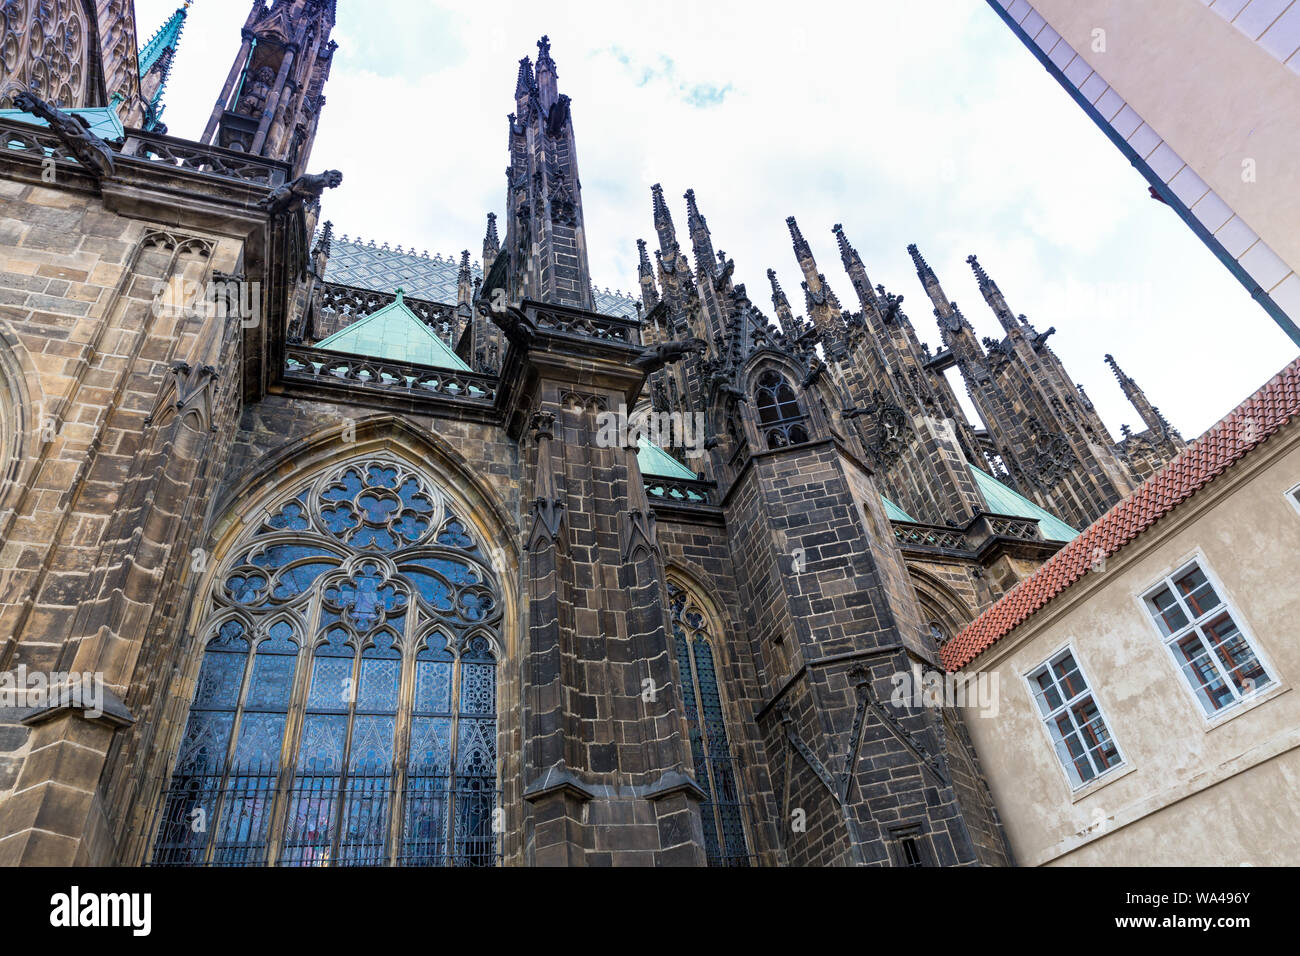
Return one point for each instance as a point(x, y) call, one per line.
point(493, 519)
point(22, 408)
point(939, 603)
point(341, 559)
point(712, 720)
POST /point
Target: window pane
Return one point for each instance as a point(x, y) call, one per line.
point(1197, 592)
point(1201, 673)
point(1235, 654)
point(344, 805)
point(1169, 617)
point(1068, 677)
point(1045, 692)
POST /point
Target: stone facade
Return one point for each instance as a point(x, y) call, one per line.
point(688, 671)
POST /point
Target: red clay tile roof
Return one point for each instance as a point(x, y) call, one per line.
point(1200, 463)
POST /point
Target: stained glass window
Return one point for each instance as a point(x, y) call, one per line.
point(715, 770)
point(780, 418)
point(344, 711)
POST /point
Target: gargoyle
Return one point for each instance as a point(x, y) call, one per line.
point(655, 357)
point(74, 132)
point(288, 200)
point(558, 116)
point(308, 186)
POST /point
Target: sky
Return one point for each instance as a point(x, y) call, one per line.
point(924, 122)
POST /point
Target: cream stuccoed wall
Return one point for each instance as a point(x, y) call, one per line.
point(1190, 790)
point(1207, 94)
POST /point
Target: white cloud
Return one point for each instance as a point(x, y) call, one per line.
point(925, 123)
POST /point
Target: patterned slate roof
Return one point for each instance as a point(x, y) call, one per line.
point(371, 265)
point(1250, 424)
point(368, 265)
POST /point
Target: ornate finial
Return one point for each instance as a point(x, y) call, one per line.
point(643, 264)
point(981, 276)
point(801, 247)
point(525, 83)
point(777, 292)
point(1114, 367)
point(847, 252)
point(662, 215)
point(922, 267)
point(492, 228)
point(693, 218)
point(544, 50)
point(464, 274)
point(326, 239)
point(400, 293)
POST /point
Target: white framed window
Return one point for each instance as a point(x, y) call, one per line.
point(1073, 719)
point(1201, 630)
point(1293, 496)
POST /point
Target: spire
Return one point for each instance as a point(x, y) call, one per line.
point(867, 297)
point(544, 61)
point(646, 276)
point(1150, 415)
point(801, 247)
point(923, 270)
point(465, 288)
point(981, 276)
point(701, 242)
point(525, 84)
point(545, 233)
point(663, 218)
point(848, 255)
point(823, 307)
point(784, 314)
point(491, 244)
point(326, 239)
point(156, 59)
point(547, 86)
point(1014, 326)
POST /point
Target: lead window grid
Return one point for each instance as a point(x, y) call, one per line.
point(1073, 719)
point(1211, 651)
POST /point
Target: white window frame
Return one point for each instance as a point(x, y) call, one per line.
point(1064, 760)
point(1293, 496)
point(1193, 627)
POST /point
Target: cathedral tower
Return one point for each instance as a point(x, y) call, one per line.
point(546, 243)
point(271, 101)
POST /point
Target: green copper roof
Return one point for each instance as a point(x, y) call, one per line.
point(102, 119)
point(397, 334)
point(896, 513)
point(653, 460)
point(1002, 500)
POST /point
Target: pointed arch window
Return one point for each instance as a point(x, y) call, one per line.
point(780, 416)
point(344, 711)
point(715, 769)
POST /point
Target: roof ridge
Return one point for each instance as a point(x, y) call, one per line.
point(1243, 429)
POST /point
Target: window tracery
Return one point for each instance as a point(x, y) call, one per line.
point(780, 417)
point(323, 729)
point(715, 770)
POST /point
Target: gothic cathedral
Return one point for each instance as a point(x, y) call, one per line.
point(368, 577)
